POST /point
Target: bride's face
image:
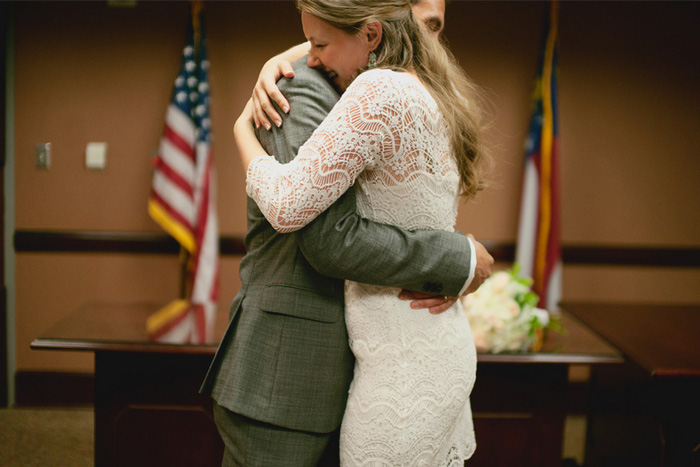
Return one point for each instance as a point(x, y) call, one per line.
point(334, 51)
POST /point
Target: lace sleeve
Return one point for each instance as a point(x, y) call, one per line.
point(355, 136)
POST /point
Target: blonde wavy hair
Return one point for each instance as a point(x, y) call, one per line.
point(407, 45)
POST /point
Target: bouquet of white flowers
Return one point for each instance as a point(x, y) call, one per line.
point(503, 314)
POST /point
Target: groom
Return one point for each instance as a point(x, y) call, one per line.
point(281, 374)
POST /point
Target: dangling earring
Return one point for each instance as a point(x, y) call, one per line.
point(372, 60)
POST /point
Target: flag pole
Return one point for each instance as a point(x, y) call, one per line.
point(184, 271)
point(196, 9)
point(184, 254)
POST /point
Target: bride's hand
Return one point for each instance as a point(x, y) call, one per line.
point(266, 91)
point(435, 303)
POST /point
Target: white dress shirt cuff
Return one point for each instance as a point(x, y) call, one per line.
point(472, 267)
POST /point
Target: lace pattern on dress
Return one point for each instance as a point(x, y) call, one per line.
point(383, 130)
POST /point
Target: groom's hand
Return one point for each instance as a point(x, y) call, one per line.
point(435, 303)
point(484, 261)
point(439, 303)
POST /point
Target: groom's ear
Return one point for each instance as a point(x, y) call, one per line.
point(374, 34)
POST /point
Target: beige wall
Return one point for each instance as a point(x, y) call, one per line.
point(85, 72)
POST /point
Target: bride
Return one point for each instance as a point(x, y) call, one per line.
point(406, 133)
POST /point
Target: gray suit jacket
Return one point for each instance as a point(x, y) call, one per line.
point(285, 358)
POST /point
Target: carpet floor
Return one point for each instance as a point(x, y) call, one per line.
point(46, 437)
point(64, 437)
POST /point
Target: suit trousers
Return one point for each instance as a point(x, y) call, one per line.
point(252, 443)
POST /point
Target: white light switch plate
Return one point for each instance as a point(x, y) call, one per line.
point(96, 156)
point(42, 155)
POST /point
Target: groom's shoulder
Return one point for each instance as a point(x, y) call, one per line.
point(301, 68)
point(305, 76)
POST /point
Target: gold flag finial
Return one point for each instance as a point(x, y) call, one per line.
point(196, 9)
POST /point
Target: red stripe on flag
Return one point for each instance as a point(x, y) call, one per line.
point(179, 142)
point(554, 241)
point(174, 177)
point(203, 223)
point(203, 212)
point(215, 286)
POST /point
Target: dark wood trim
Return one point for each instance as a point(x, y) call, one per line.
point(123, 347)
point(660, 256)
point(612, 255)
point(54, 389)
point(45, 241)
point(501, 251)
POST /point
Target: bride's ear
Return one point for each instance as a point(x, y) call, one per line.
point(374, 34)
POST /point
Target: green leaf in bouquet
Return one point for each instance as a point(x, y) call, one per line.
point(515, 270)
point(515, 276)
point(527, 299)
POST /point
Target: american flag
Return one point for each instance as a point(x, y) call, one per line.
point(539, 244)
point(183, 198)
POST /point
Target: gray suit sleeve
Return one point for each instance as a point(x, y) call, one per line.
point(339, 243)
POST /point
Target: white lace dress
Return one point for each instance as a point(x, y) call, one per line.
point(409, 400)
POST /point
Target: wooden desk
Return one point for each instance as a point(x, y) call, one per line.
point(147, 407)
point(148, 411)
point(663, 344)
point(519, 401)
